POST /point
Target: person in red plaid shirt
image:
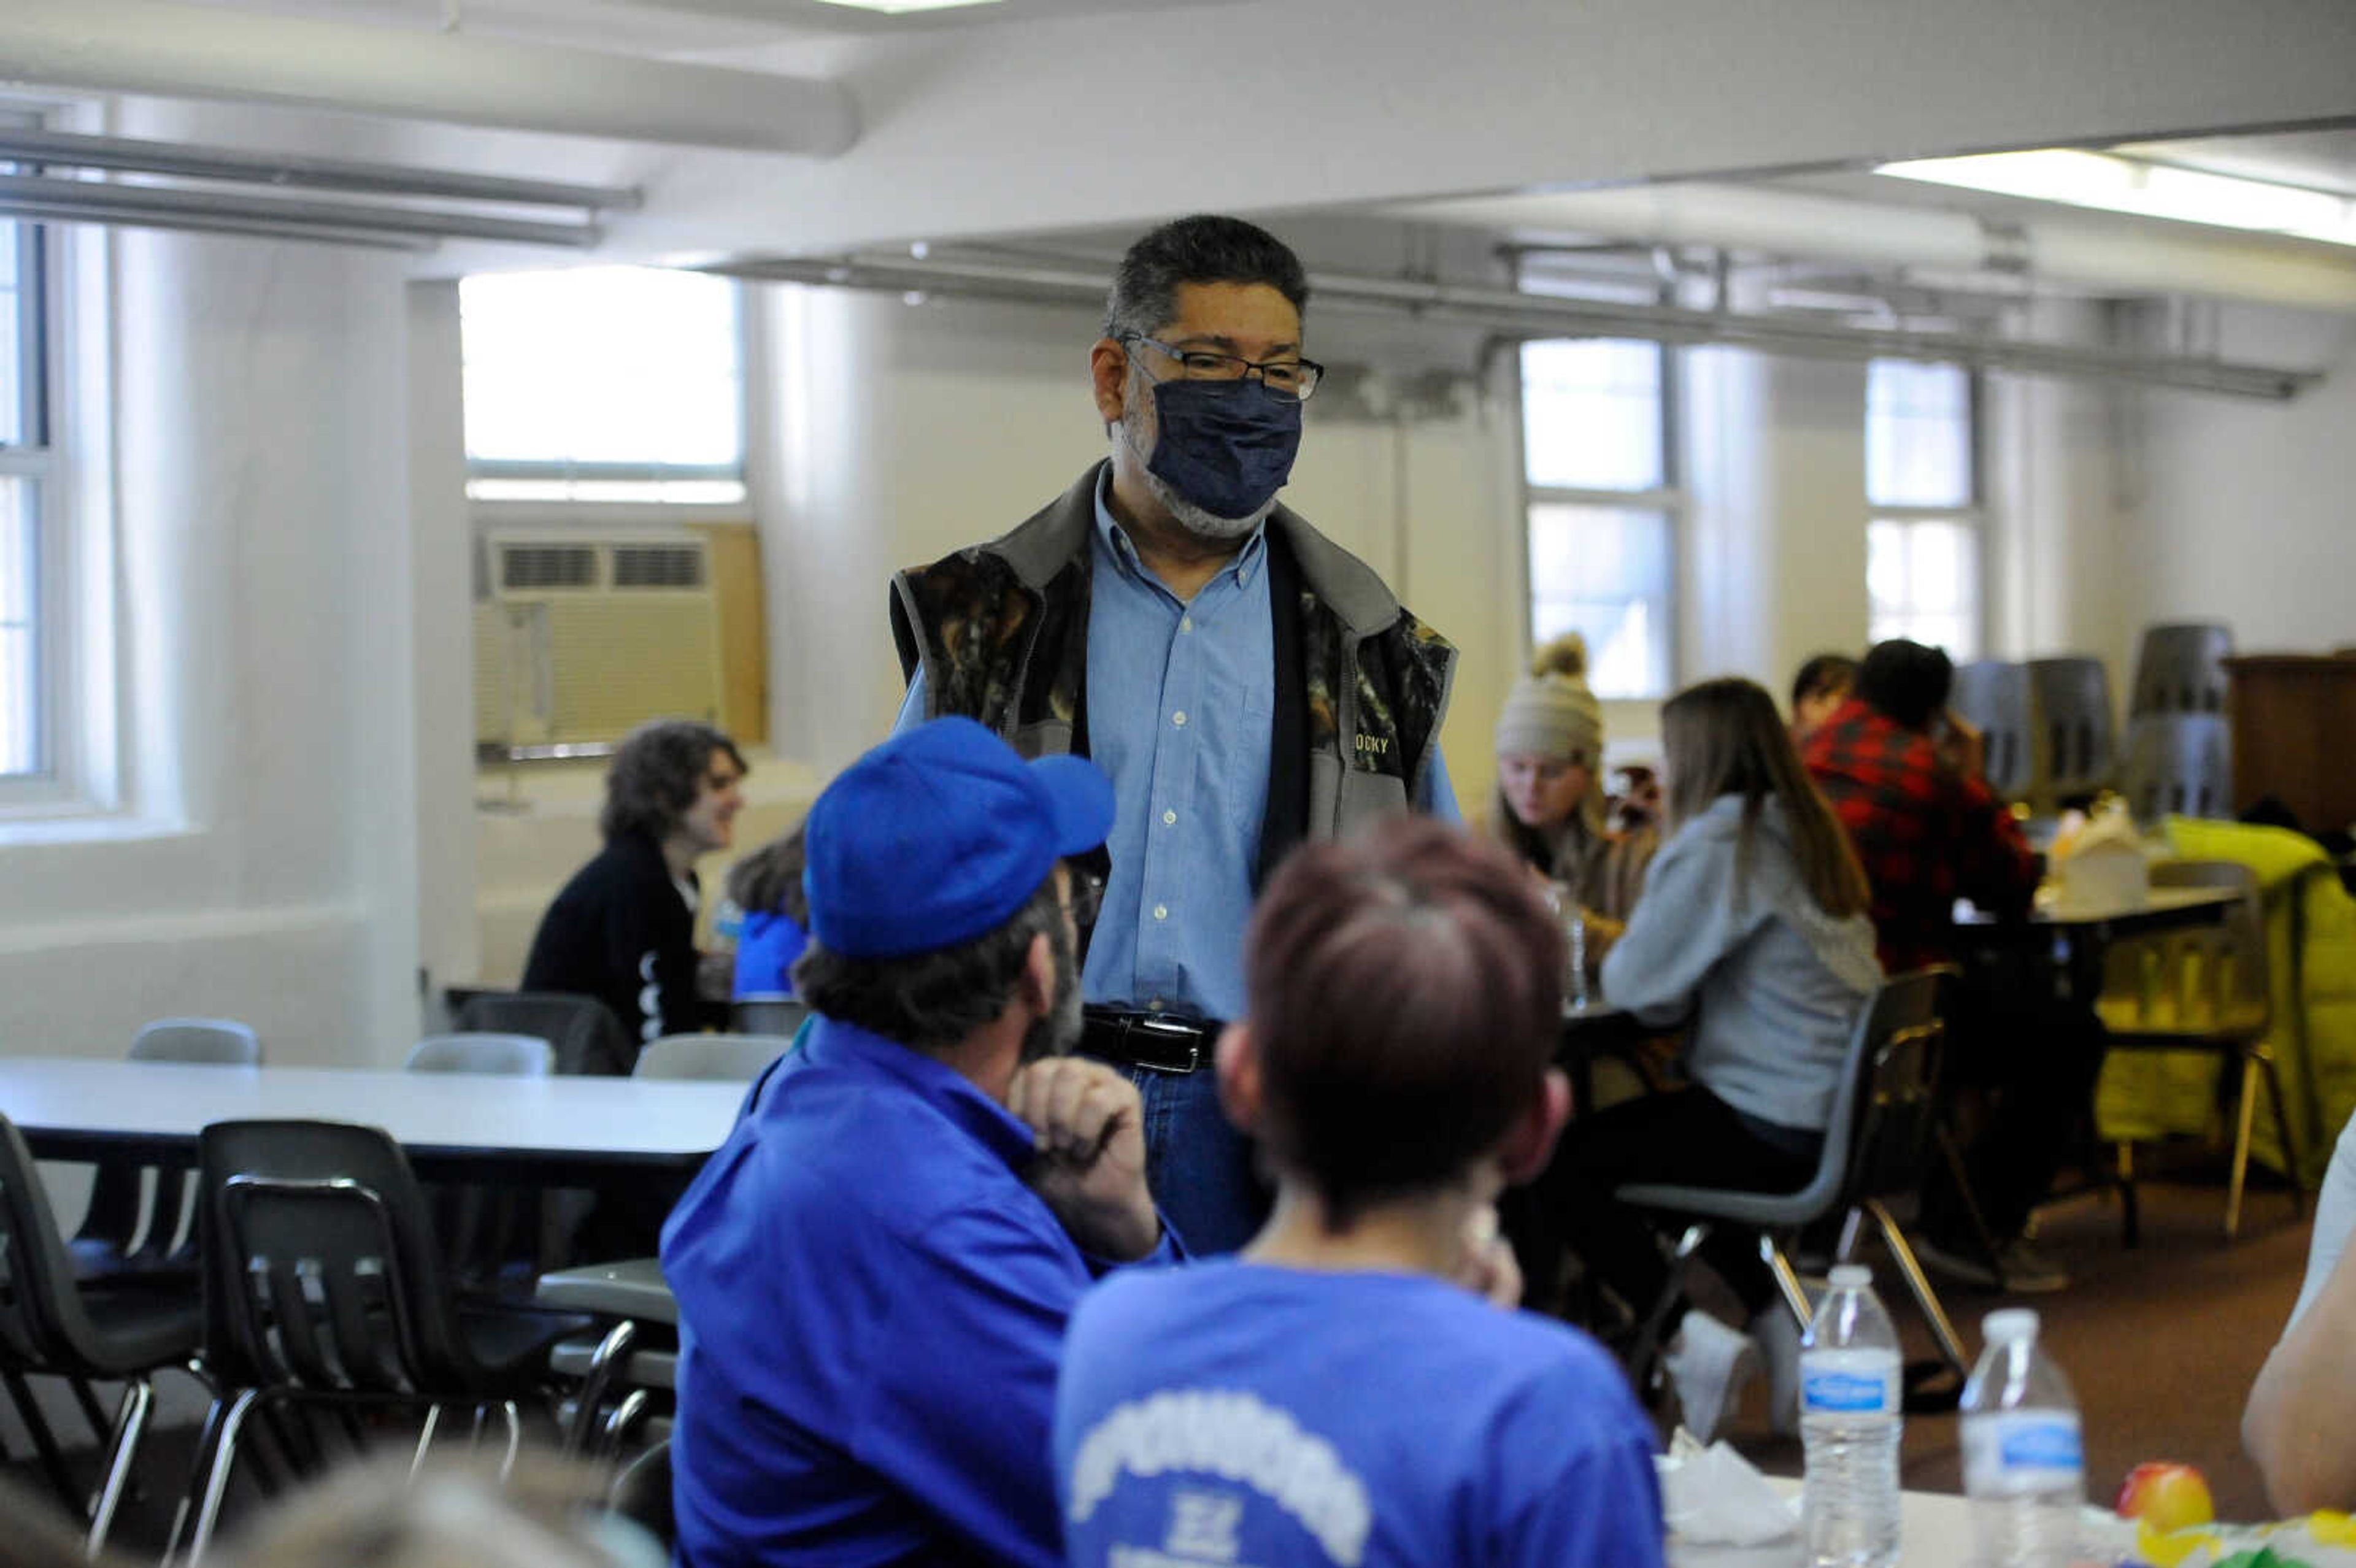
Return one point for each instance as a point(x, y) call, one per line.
point(1903, 775)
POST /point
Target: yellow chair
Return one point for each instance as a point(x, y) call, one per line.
point(2203, 988)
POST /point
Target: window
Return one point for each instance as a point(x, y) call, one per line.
point(28, 479)
point(1922, 543)
point(604, 384)
point(1602, 506)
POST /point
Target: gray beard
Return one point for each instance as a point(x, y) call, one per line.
point(1199, 521)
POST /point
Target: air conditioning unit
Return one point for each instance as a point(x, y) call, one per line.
point(578, 641)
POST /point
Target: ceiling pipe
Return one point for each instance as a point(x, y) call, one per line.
point(1508, 312)
point(123, 155)
point(210, 51)
point(32, 195)
point(2126, 257)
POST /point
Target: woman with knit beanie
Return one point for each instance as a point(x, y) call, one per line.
point(1548, 807)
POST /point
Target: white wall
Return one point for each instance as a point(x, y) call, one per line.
point(2248, 511)
point(266, 868)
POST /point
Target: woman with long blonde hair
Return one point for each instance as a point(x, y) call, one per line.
point(1754, 923)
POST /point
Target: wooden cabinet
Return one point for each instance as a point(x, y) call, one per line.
point(2295, 735)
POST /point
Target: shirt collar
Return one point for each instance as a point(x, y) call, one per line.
point(848, 1049)
point(1244, 566)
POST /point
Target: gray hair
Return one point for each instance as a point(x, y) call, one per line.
point(1203, 249)
point(930, 1001)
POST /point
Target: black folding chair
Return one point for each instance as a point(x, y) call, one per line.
point(325, 1292)
point(123, 1332)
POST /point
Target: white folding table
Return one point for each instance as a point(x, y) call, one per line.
point(552, 1131)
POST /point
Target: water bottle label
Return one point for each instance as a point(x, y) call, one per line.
point(2011, 1452)
point(1862, 1381)
point(1845, 1391)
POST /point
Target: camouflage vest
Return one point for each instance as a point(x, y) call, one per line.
point(1000, 632)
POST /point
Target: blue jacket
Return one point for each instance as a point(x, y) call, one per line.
point(872, 1306)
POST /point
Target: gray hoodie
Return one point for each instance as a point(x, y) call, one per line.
point(1778, 981)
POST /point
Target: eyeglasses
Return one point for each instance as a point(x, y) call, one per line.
point(1293, 378)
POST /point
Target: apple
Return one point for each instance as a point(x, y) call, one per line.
point(2167, 1497)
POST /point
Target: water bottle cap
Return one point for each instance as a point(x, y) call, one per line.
point(2012, 1323)
point(1850, 1277)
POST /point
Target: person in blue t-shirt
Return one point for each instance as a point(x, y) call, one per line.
point(1340, 1394)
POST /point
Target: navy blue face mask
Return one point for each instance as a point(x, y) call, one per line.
point(1227, 446)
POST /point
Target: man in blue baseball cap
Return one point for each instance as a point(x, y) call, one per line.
point(874, 1271)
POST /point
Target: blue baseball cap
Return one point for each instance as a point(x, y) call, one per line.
point(939, 835)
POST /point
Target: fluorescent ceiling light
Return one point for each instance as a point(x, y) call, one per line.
point(901, 7)
point(2152, 190)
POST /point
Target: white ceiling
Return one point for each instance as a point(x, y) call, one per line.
point(2321, 159)
point(677, 27)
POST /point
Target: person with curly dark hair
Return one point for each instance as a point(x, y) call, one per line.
point(623, 930)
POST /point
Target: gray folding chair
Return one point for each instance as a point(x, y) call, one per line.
point(1994, 696)
point(588, 1037)
point(738, 1057)
point(769, 1013)
point(2178, 764)
point(124, 1230)
point(482, 1226)
point(2181, 669)
point(222, 1041)
point(512, 1055)
point(2071, 698)
point(1877, 1145)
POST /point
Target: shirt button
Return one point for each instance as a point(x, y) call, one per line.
point(1162, 911)
point(1168, 819)
point(1179, 718)
point(1186, 623)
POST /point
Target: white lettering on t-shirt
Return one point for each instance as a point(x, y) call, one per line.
point(1237, 1438)
point(649, 999)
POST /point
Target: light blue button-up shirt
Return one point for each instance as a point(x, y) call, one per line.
point(1180, 705)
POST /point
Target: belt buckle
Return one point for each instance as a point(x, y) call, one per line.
point(1170, 1031)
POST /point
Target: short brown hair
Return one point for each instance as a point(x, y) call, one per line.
point(1405, 997)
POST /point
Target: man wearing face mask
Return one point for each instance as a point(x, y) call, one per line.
point(1247, 684)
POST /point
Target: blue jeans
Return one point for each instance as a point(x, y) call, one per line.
point(1198, 1165)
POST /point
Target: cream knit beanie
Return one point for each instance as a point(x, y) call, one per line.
point(1551, 712)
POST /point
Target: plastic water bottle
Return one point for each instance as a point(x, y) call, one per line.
point(1849, 1420)
point(2023, 1466)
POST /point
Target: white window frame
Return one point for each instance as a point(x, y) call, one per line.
point(1972, 515)
point(1669, 498)
point(492, 511)
point(74, 606)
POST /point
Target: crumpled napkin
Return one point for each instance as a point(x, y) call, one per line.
point(1714, 1494)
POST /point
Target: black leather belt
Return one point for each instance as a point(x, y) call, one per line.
point(1163, 1042)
